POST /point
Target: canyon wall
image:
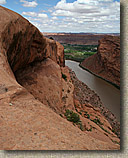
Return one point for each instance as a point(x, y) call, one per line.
point(106, 62)
point(37, 102)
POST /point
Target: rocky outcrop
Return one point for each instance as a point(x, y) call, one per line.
point(23, 43)
point(106, 62)
point(55, 51)
point(36, 91)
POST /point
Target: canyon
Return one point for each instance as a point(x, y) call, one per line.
point(41, 107)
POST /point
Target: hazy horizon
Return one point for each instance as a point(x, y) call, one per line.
point(86, 32)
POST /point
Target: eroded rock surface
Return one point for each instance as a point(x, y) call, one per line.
point(23, 43)
point(106, 62)
point(86, 96)
point(35, 92)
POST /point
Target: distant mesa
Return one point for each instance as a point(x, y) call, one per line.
point(78, 38)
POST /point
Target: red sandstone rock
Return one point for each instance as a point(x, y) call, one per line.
point(29, 117)
point(23, 43)
point(106, 62)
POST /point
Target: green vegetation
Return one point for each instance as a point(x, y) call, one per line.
point(113, 130)
point(79, 52)
point(64, 76)
point(104, 129)
point(114, 141)
point(80, 48)
point(80, 113)
point(80, 126)
point(97, 121)
point(74, 117)
point(90, 128)
point(86, 114)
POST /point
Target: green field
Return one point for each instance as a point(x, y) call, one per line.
point(79, 52)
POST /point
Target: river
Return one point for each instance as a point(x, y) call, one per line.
point(109, 95)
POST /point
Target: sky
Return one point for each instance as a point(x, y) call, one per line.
point(99, 16)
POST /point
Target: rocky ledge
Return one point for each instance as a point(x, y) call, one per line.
point(106, 62)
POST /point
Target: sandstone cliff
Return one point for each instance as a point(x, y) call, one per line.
point(37, 100)
point(106, 62)
point(23, 43)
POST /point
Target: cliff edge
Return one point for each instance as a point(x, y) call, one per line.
point(106, 62)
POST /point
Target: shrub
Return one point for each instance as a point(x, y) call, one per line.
point(90, 129)
point(64, 77)
point(113, 130)
point(87, 115)
point(80, 113)
point(97, 121)
point(72, 116)
point(104, 129)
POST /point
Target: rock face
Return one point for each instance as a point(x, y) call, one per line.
point(106, 62)
point(18, 36)
point(35, 92)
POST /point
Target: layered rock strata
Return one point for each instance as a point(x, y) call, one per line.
point(106, 62)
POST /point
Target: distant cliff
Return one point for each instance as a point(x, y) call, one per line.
point(106, 62)
point(38, 109)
